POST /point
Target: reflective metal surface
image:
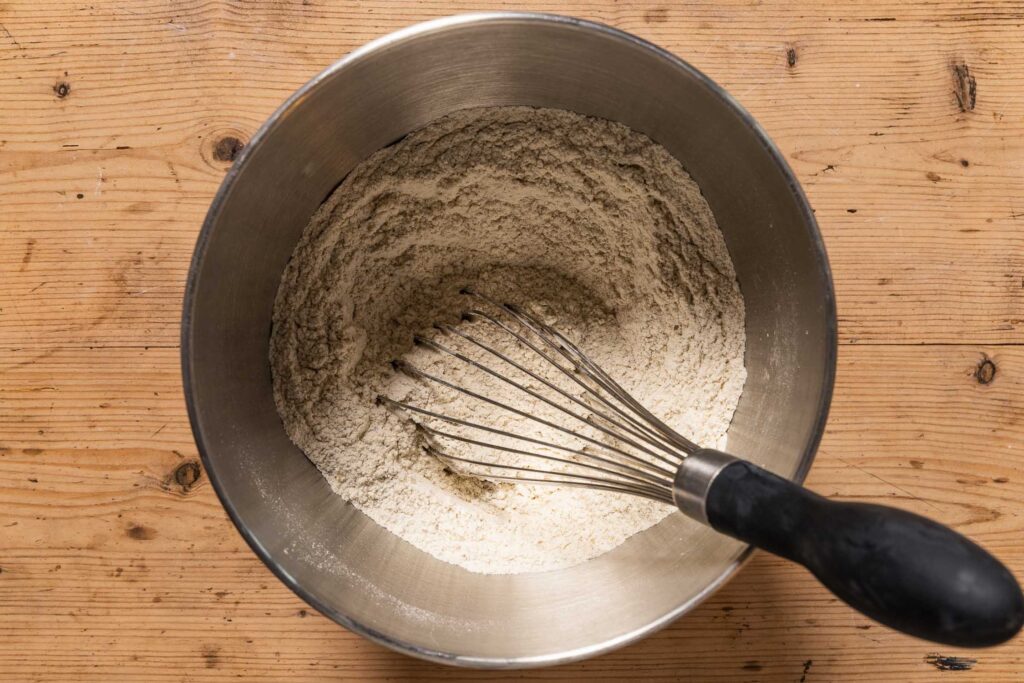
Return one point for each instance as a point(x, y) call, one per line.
point(336, 558)
point(694, 480)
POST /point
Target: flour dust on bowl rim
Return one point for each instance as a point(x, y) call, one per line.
point(327, 551)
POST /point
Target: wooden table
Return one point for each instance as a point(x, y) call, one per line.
point(117, 122)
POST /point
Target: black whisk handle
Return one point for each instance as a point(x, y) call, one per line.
point(899, 568)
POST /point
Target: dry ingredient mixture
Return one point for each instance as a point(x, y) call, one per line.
point(583, 220)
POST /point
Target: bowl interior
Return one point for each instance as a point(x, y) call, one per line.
point(335, 557)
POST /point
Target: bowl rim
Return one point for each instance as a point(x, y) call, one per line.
point(363, 52)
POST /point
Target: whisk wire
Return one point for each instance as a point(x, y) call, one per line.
point(650, 436)
point(627, 470)
point(647, 481)
point(642, 435)
point(631, 452)
point(571, 352)
point(415, 372)
point(557, 478)
point(490, 371)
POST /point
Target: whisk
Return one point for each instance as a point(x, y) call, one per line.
point(896, 567)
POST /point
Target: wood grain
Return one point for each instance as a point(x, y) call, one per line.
point(905, 123)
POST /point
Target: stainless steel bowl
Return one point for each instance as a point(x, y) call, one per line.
point(329, 553)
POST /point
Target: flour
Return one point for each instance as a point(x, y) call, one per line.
point(583, 220)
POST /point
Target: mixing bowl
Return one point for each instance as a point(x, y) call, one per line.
point(333, 556)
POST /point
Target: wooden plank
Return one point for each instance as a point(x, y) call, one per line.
point(115, 560)
point(116, 128)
